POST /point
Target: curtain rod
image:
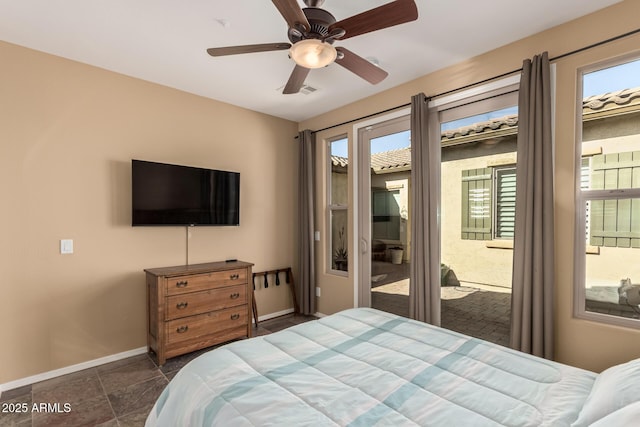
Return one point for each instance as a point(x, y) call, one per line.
point(490, 79)
point(368, 116)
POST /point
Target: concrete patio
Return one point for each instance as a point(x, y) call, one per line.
point(481, 313)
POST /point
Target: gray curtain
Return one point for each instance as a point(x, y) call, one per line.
point(533, 246)
point(306, 283)
point(424, 282)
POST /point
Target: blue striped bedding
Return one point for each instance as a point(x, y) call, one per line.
point(363, 367)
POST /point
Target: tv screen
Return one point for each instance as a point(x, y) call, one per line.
point(165, 194)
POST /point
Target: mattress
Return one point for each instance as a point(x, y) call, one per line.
point(364, 367)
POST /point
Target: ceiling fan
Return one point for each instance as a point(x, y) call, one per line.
point(312, 32)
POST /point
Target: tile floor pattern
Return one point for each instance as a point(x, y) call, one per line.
point(120, 393)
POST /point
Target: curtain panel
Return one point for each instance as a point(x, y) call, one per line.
point(532, 301)
point(424, 272)
point(306, 224)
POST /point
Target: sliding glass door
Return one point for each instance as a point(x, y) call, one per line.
point(385, 171)
point(477, 138)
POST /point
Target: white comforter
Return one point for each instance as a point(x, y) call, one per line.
point(364, 367)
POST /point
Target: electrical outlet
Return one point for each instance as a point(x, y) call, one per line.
point(318, 292)
point(66, 246)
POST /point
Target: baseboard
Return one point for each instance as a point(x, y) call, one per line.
point(274, 315)
point(320, 315)
point(70, 369)
point(284, 313)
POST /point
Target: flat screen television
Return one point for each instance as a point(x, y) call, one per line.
point(174, 195)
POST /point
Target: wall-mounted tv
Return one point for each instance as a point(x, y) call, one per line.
point(174, 195)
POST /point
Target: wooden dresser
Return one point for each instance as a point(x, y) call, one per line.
point(190, 307)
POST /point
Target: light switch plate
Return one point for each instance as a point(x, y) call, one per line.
point(66, 246)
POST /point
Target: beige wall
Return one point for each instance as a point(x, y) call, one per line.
point(578, 342)
point(67, 134)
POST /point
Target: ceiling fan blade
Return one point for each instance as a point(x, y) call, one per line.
point(296, 80)
point(390, 14)
point(250, 48)
point(292, 13)
point(360, 66)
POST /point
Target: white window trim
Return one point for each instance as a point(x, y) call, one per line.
point(580, 244)
point(479, 90)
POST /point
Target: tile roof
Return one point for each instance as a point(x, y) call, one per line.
point(493, 128)
point(393, 159)
point(339, 161)
point(611, 104)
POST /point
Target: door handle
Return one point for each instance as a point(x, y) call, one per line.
point(364, 246)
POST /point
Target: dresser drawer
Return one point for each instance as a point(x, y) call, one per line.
point(200, 282)
point(203, 301)
point(189, 328)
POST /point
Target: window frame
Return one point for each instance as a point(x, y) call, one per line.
point(581, 248)
point(335, 207)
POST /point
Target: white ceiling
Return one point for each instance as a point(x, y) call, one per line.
point(165, 41)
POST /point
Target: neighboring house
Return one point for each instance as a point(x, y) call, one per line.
point(478, 206)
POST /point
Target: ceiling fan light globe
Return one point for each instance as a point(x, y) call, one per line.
point(313, 53)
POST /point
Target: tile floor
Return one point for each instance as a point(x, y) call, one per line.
point(120, 393)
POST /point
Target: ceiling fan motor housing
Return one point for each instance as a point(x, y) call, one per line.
point(319, 20)
point(314, 3)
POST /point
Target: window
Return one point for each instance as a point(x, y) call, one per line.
point(608, 278)
point(338, 204)
point(505, 202)
point(488, 203)
point(612, 222)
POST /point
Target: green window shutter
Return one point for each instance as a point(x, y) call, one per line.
point(505, 202)
point(476, 204)
point(615, 223)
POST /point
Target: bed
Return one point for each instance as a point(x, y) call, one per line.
point(364, 367)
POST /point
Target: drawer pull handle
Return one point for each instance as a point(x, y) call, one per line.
point(234, 276)
point(182, 284)
point(235, 316)
point(182, 305)
point(182, 329)
point(234, 296)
